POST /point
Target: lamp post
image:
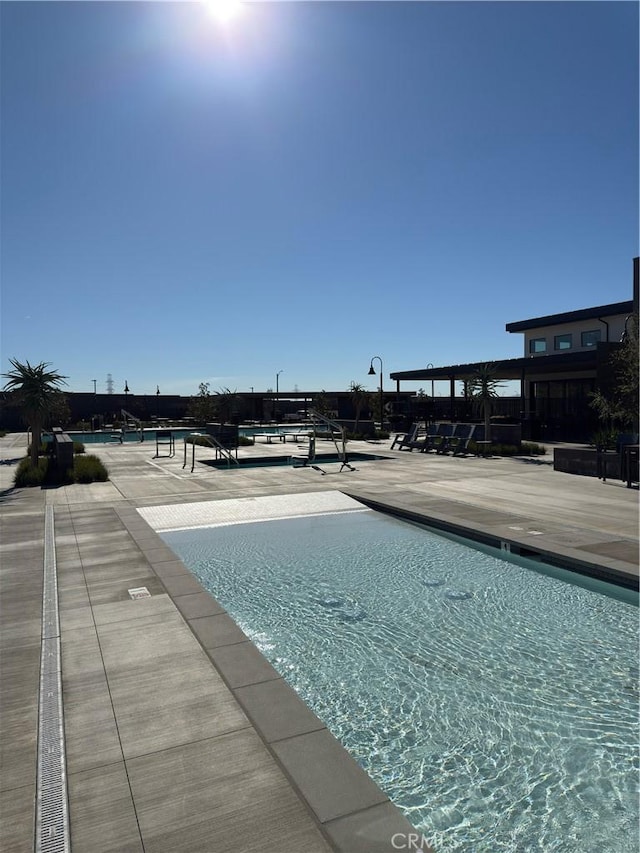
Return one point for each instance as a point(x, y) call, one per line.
point(373, 373)
point(428, 366)
point(94, 385)
point(126, 391)
point(275, 408)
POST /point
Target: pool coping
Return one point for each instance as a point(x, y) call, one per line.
point(350, 810)
point(606, 569)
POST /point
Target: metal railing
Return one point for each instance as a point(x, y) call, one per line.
point(129, 417)
point(334, 427)
point(207, 441)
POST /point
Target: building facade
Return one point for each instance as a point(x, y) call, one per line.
point(566, 358)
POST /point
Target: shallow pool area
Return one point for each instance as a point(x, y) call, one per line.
point(293, 461)
point(495, 705)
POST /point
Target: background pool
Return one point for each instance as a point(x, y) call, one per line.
point(111, 436)
point(497, 706)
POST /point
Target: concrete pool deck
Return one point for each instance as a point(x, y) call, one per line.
point(179, 735)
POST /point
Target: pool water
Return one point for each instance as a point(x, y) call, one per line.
point(496, 705)
point(113, 436)
point(291, 461)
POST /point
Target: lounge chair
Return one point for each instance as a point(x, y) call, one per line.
point(458, 443)
point(437, 439)
point(404, 440)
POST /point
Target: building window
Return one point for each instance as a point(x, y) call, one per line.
point(538, 345)
point(562, 342)
point(590, 339)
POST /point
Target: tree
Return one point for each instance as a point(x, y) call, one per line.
point(208, 407)
point(321, 404)
point(60, 412)
point(201, 408)
point(618, 406)
point(360, 398)
point(224, 404)
point(482, 386)
point(37, 391)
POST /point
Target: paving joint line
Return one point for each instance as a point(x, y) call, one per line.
point(106, 678)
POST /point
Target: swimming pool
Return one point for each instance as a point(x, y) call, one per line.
point(495, 704)
point(113, 436)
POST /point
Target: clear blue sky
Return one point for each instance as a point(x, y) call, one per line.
point(308, 185)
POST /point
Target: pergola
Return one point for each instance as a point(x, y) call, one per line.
point(537, 368)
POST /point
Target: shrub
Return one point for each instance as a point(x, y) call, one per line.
point(532, 449)
point(28, 474)
point(78, 447)
point(46, 448)
point(605, 438)
point(504, 449)
point(205, 441)
point(89, 469)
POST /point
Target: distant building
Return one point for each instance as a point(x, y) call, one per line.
point(566, 357)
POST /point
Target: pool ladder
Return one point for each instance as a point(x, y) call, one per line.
point(222, 452)
point(334, 427)
point(136, 421)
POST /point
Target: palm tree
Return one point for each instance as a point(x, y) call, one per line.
point(483, 388)
point(35, 389)
point(360, 397)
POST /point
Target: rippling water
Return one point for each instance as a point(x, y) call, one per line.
point(496, 706)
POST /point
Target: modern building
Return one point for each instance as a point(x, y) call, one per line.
point(566, 357)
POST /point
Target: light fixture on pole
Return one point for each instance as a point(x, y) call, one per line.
point(126, 389)
point(373, 373)
point(428, 366)
point(277, 392)
point(157, 390)
point(94, 385)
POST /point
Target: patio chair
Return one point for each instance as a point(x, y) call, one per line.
point(436, 440)
point(404, 439)
point(422, 437)
point(458, 443)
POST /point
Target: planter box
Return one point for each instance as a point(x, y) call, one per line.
point(585, 461)
point(506, 433)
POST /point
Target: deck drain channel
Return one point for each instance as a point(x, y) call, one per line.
point(52, 809)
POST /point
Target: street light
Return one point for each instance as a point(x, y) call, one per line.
point(126, 389)
point(94, 385)
point(275, 408)
point(373, 373)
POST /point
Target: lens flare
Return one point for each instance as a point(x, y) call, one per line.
point(223, 10)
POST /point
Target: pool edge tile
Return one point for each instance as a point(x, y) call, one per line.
point(330, 780)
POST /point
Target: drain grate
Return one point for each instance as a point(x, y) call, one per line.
point(52, 810)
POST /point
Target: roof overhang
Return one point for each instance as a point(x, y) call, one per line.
point(510, 368)
point(596, 313)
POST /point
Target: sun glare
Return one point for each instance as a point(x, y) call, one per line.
point(224, 10)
